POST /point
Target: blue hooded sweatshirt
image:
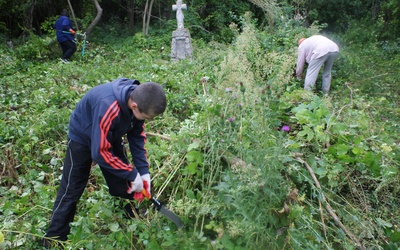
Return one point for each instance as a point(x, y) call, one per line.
point(62, 26)
point(101, 118)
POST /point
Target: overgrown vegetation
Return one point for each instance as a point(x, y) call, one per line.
point(227, 169)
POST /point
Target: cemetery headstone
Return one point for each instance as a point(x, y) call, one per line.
point(181, 47)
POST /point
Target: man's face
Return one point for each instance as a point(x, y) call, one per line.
point(141, 116)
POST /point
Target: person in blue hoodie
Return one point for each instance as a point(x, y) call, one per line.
point(101, 118)
point(65, 36)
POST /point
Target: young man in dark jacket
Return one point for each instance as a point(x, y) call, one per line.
point(65, 36)
point(98, 123)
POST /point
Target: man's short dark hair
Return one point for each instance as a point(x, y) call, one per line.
point(64, 12)
point(150, 98)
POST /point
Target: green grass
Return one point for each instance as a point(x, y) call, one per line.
point(226, 169)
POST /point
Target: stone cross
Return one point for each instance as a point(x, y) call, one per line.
point(179, 6)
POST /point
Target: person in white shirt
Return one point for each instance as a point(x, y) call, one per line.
point(316, 51)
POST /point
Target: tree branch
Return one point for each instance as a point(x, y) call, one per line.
point(328, 206)
point(96, 20)
point(158, 135)
point(73, 15)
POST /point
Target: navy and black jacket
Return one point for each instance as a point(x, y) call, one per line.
point(101, 119)
point(62, 26)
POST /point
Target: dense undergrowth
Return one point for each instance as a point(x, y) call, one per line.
point(222, 163)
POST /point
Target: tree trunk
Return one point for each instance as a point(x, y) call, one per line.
point(73, 15)
point(28, 17)
point(149, 16)
point(131, 15)
point(96, 20)
point(145, 17)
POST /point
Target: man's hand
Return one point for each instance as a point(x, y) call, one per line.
point(146, 177)
point(146, 188)
point(72, 31)
point(136, 185)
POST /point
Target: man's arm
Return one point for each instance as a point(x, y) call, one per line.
point(104, 117)
point(66, 24)
point(137, 140)
point(301, 59)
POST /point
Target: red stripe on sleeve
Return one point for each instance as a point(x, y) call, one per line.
point(145, 139)
point(105, 124)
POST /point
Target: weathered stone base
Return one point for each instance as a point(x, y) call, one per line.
point(181, 47)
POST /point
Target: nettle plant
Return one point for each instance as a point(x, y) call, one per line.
point(339, 137)
point(233, 159)
point(231, 166)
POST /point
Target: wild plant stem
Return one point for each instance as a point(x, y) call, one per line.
point(164, 137)
point(328, 206)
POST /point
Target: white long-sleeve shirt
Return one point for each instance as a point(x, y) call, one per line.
point(312, 48)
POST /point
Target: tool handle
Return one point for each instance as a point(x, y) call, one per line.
point(146, 194)
point(156, 202)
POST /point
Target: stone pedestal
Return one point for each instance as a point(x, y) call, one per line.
point(181, 47)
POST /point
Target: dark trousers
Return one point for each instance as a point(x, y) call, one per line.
point(75, 176)
point(68, 48)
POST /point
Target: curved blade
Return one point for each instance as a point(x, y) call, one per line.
point(168, 213)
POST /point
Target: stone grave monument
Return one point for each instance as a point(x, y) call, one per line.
point(181, 47)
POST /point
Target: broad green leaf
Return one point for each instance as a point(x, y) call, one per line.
point(310, 136)
point(337, 168)
point(371, 160)
point(395, 236)
point(190, 194)
point(168, 243)
point(321, 172)
point(358, 140)
point(47, 151)
point(191, 168)
point(107, 211)
point(339, 128)
point(311, 161)
point(226, 242)
point(304, 116)
point(342, 149)
point(193, 145)
point(307, 132)
point(383, 223)
point(390, 171)
point(195, 156)
point(357, 150)
point(114, 227)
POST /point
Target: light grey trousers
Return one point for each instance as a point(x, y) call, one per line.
point(313, 69)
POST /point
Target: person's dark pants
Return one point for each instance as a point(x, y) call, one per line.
point(75, 176)
point(68, 48)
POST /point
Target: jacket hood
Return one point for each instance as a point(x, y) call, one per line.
point(122, 87)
